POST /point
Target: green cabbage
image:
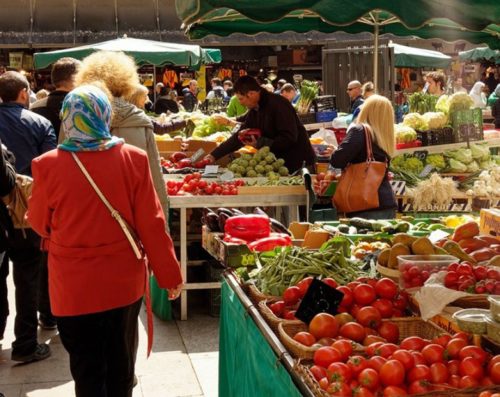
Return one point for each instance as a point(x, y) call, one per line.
point(496, 158)
point(480, 152)
point(456, 166)
point(460, 101)
point(487, 165)
point(473, 167)
point(407, 163)
point(462, 155)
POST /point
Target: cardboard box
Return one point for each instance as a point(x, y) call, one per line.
point(445, 320)
point(489, 222)
point(169, 146)
point(210, 242)
point(193, 145)
point(233, 255)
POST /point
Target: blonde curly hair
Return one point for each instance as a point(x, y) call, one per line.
point(116, 70)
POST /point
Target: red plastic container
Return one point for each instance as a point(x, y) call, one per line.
point(340, 134)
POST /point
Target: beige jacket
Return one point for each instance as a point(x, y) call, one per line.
point(133, 125)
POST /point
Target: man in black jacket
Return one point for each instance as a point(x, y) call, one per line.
point(277, 120)
point(62, 76)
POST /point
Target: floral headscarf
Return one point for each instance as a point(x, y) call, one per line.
point(86, 118)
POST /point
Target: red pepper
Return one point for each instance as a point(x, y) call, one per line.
point(248, 227)
point(269, 243)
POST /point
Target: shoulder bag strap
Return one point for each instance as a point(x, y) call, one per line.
point(114, 213)
point(368, 137)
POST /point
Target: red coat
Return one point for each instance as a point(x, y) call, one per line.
point(92, 267)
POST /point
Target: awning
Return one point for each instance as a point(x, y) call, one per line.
point(480, 54)
point(409, 57)
point(156, 53)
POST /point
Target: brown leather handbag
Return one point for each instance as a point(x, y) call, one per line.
point(357, 189)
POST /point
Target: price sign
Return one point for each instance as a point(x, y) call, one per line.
point(420, 154)
point(197, 155)
point(426, 171)
point(211, 169)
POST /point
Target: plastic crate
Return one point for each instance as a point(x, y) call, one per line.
point(325, 116)
point(467, 125)
point(307, 118)
point(214, 274)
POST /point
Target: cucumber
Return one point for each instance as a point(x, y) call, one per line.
point(360, 223)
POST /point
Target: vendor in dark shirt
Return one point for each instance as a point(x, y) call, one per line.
point(277, 120)
point(354, 92)
point(378, 116)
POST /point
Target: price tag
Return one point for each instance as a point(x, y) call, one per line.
point(197, 155)
point(437, 235)
point(426, 171)
point(211, 169)
point(420, 154)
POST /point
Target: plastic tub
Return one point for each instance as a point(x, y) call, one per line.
point(493, 330)
point(472, 320)
point(494, 307)
point(416, 269)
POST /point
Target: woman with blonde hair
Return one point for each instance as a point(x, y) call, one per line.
point(118, 72)
point(376, 116)
point(139, 97)
point(367, 90)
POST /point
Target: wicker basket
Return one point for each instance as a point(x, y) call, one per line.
point(256, 296)
point(473, 302)
point(393, 274)
point(286, 331)
point(271, 318)
point(310, 380)
point(415, 326)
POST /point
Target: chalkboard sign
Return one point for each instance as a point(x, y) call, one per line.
point(319, 298)
point(420, 154)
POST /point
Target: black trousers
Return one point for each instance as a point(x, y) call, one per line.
point(25, 255)
point(102, 349)
point(43, 291)
point(4, 302)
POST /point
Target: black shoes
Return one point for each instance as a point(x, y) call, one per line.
point(42, 351)
point(47, 325)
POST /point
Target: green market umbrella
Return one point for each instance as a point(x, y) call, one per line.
point(409, 57)
point(155, 53)
point(480, 54)
point(472, 20)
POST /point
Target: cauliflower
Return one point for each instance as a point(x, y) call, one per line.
point(414, 165)
point(435, 120)
point(415, 121)
point(460, 101)
point(442, 105)
point(404, 134)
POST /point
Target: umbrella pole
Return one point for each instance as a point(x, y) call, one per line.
point(154, 84)
point(375, 55)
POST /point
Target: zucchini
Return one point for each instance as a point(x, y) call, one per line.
point(360, 223)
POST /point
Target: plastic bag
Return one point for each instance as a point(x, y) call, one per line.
point(327, 135)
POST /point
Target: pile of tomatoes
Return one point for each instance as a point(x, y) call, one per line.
point(472, 279)
point(414, 366)
point(193, 184)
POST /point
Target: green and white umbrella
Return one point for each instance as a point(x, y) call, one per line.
point(480, 54)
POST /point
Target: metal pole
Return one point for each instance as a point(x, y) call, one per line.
point(375, 55)
point(154, 84)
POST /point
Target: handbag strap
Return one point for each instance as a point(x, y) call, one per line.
point(368, 138)
point(114, 213)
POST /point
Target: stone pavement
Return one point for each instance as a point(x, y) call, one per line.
point(184, 360)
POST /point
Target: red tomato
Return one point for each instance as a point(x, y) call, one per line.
point(454, 381)
point(305, 338)
point(304, 284)
point(324, 383)
point(364, 294)
point(373, 349)
point(277, 308)
point(387, 349)
point(372, 339)
point(339, 389)
point(368, 316)
point(451, 279)
point(392, 373)
point(400, 302)
point(493, 361)
point(353, 284)
point(376, 362)
point(419, 386)
point(494, 372)
point(362, 392)
point(433, 353)
point(344, 347)
point(357, 364)
point(471, 367)
point(324, 324)
point(348, 298)
point(413, 343)
point(461, 335)
point(389, 331)
point(485, 394)
point(419, 358)
point(353, 331)
point(292, 295)
point(318, 372)
point(486, 381)
point(339, 372)
point(465, 269)
point(473, 351)
point(420, 372)
point(386, 288)
point(442, 340)
point(468, 381)
point(289, 314)
point(384, 306)
point(394, 391)
point(331, 282)
point(454, 367)
point(439, 373)
point(326, 355)
point(405, 358)
point(326, 341)
point(369, 378)
point(454, 346)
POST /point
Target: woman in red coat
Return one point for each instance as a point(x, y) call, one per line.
point(96, 282)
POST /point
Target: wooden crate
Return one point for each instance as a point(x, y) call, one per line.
point(169, 146)
point(264, 190)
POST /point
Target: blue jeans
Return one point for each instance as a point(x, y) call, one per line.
point(375, 214)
